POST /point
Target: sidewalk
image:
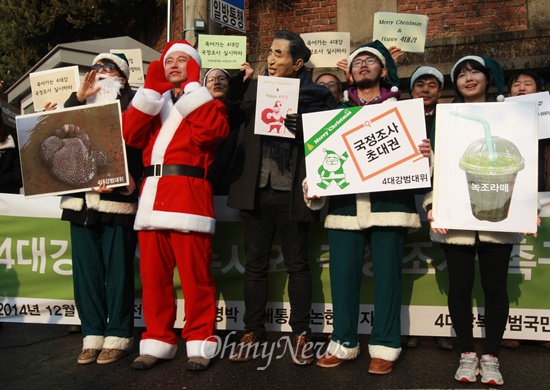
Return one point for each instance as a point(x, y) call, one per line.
point(41, 356)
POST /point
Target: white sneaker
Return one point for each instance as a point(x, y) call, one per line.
point(469, 368)
point(490, 374)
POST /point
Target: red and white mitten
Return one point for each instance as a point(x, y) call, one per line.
point(156, 78)
point(193, 77)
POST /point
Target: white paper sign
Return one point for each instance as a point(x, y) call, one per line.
point(222, 51)
point(366, 149)
point(486, 166)
point(275, 99)
point(405, 31)
point(327, 48)
point(135, 61)
point(542, 100)
point(53, 85)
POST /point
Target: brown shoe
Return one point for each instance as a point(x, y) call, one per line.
point(412, 341)
point(302, 350)
point(508, 343)
point(74, 329)
point(444, 343)
point(197, 363)
point(88, 356)
point(248, 349)
point(110, 355)
point(328, 360)
point(144, 362)
point(380, 366)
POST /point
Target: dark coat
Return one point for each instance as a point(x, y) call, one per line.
point(10, 168)
point(121, 207)
point(219, 172)
point(245, 176)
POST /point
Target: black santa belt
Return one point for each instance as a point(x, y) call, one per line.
point(159, 170)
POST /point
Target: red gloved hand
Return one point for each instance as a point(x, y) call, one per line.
point(193, 73)
point(156, 78)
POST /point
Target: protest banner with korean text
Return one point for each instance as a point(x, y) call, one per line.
point(53, 85)
point(542, 100)
point(366, 149)
point(222, 51)
point(135, 62)
point(36, 277)
point(327, 48)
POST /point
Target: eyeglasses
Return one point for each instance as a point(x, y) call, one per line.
point(107, 68)
point(221, 79)
point(366, 61)
point(329, 85)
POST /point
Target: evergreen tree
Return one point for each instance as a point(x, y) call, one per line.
point(31, 28)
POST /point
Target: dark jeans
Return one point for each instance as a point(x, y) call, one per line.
point(272, 211)
point(493, 269)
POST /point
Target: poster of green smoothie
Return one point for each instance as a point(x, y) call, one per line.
point(485, 167)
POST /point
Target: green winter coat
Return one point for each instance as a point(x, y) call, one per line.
point(361, 211)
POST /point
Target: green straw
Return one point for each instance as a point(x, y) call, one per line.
point(486, 129)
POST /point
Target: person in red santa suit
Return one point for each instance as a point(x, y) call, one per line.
point(177, 123)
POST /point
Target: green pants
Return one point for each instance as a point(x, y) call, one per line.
point(347, 251)
point(103, 276)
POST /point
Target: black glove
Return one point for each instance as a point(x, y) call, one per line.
point(293, 122)
point(237, 86)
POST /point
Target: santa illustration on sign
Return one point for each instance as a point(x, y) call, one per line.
point(332, 170)
point(273, 117)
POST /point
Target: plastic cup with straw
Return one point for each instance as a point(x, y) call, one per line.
point(491, 165)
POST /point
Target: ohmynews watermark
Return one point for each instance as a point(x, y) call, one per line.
point(266, 350)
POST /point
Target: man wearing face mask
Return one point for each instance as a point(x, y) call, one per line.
point(267, 189)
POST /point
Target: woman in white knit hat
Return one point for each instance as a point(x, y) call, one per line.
point(471, 76)
point(103, 240)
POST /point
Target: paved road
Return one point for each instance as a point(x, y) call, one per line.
point(37, 356)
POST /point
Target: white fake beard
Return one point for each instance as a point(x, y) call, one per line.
point(109, 89)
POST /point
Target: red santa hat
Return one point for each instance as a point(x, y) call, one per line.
point(182, 46)
point(193, 65)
